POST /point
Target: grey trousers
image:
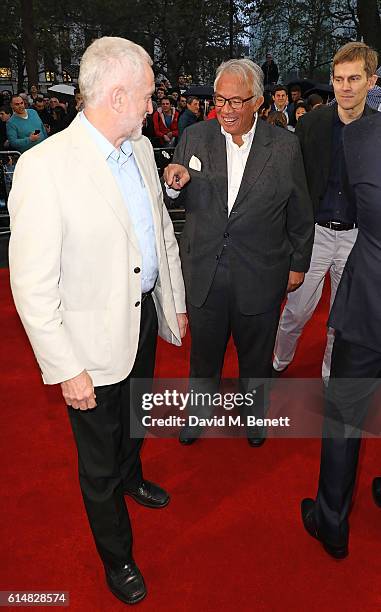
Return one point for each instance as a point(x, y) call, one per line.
point(329, 254)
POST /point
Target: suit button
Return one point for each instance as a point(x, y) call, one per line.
point(217, 256)
point(137, 304)
point(136, 270)
point(226, 235)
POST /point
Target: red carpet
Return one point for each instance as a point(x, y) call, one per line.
point(230, 540)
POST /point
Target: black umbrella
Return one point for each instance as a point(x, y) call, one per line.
point(200, 91)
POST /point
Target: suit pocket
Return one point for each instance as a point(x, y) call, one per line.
point(89, 333)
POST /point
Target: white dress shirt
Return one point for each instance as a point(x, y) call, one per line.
point(236, 158)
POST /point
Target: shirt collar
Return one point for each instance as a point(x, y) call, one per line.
point(107, 149)
point(247, 138)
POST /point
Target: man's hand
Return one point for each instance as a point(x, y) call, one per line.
point(295, 279)
point(33, 137)
point(78, 392)
point(182, 320)
point(176, 176)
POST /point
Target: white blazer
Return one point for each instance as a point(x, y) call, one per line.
point(73, 255)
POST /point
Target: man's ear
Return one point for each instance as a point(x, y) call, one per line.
point(118, 98)
point(372, 81)
point(258, 102)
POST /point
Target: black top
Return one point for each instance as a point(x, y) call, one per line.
point(336, 205)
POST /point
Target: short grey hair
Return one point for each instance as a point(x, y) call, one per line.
point(102, 65)
point(246, 70)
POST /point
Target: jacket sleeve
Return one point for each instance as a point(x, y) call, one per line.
point(174, 125)
point(300, 218)
point(15, 142)
point(35, 267)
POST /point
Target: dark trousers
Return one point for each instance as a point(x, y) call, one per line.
point(108, 457)
point(355, 371)
point(211, 326)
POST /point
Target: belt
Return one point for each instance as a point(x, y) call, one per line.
point(337, 225)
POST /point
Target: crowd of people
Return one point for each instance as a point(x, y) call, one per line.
point(29, 118)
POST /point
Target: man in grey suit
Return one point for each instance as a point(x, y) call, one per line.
point(248, 232)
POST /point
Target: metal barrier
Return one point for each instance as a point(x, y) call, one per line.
point(163, 157)
point(8, 160)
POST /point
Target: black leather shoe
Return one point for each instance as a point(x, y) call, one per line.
point(256, 442)
point(126, 583)
point(376, 490)
point(309, 522)
point(149, 494)
point(189, 435)
point(186, 441)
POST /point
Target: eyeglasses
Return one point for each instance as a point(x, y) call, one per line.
point(235, 103)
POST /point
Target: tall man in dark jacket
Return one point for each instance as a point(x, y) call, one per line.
point(248, 232)
point(320, 133)
point(270, 71)
point(356, 357)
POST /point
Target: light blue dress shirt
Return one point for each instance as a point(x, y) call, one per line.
point(130, 182)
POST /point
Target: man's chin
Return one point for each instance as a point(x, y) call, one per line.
point(136, 133)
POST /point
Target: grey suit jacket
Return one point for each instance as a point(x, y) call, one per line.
point(270, 228)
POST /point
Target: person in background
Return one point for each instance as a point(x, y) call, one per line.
point(25, 128)
point(373, 98)
point(277, 118)
point(314, 101)
point(165, 121)
point(270, 71)
point(25, 98)
point(182, 104)
point(190, 114)
point(212, 113)
point(45, 116)
point(265, 108)
point(296, 96)
point(321, 136)
point(280, 101)
point(33, 93)
point(300, 109)
point(5, 115)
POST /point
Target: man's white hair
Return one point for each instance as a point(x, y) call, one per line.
point(246, 70)
point(103, 64)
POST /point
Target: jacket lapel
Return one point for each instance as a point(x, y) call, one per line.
point(141, 161)
point(101, 175)
point(260, 153)
point(216, 148)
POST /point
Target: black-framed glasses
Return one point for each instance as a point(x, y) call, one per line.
point(235, 103)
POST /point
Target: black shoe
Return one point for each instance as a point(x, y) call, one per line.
point(376, 490)
point(256, 442)
point(276, 373)
point(309, 522)
point(126, 583)
point(189, 435)
point(186, 441)
point(149, 494)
